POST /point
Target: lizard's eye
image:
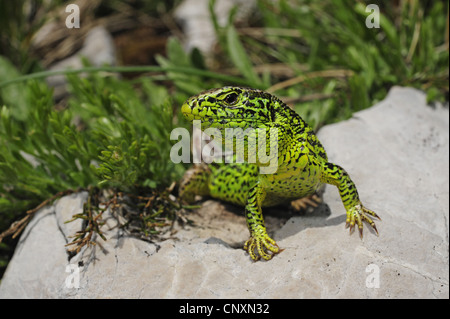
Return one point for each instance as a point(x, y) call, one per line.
point(231, 98)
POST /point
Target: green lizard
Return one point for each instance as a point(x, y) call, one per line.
point(302, 163)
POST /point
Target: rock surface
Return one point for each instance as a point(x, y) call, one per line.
point(195, 18)
point(397, 152)
point(98, 49)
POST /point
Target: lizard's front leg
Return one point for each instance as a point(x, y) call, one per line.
point(259, 244)
point(356, 212)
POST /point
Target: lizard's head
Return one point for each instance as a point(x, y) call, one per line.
point(230, 107)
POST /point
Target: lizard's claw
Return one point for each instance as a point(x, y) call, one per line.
point(356, 215)
point(261, 245)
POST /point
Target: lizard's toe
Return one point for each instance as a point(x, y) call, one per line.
point(261, 246)
point(358, 214)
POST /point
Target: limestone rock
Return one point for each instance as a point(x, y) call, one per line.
point(194, 16)
point(98, 48)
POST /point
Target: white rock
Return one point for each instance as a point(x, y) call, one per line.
point(397, 154)
point(195, 17)
point(98, 48)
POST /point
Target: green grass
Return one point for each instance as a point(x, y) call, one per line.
point(408, 49)
point(114, 133)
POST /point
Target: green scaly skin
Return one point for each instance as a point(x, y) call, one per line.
point(302, 163)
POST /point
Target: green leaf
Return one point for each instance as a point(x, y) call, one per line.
point(16, 96)
point(239, 57)
point(359, 97)
point(9, 175)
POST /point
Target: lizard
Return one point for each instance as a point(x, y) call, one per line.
point(302, 163)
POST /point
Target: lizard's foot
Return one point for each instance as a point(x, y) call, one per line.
point(303, 203)
point(261, 245)
point(194, 182)
point(356, 215)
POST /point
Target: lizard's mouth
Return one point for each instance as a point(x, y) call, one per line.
point(220, 118)
point(223, 123)
point(213, 118)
